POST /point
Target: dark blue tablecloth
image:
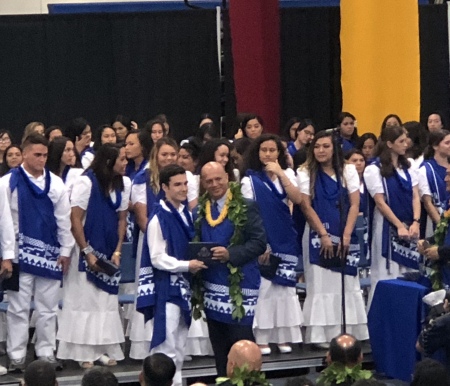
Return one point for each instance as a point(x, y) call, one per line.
point(394, 324)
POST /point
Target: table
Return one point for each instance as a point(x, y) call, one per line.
point(394, 323)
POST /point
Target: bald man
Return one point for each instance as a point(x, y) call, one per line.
point(244, 352)
point(224, 329)
point(345, 349)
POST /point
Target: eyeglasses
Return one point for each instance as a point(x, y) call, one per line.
point(5, 140)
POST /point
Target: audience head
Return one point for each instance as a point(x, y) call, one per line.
point(217, 150)
point(79, 132)
point(99, 376)
point(367, 143)
point(437, 121)
point(289, 131)
point(252, 126)
point(417, 139)
point(438, 143)
point(5, 140)
point(346, 122)
point(53, 132)
point(156, 129)
point(188, 156)
point(236, 130)
point(104, 134)
point(240, 147)
point(430, 372)
point(138, 143)
point(305, 132)
point(391, 120)
point(244, 352)
point(356, 157)
point(207, 132)
point(164, 152)
point(35, 152)
point(122, 125)
point(40, 373)
point(169, 171)
point(157, 370)
point(61, 153)
point(214, 180)
point(345, 349)
point(266, 148)
point(299, 381)
point(205, 118)
point(321, 151)
point(163, 118)
point(33, 127)
point(12, 158)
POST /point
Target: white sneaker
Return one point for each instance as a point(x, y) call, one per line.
point(434, 298)
point(3, 370)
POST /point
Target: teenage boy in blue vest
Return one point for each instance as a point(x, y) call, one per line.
point(40, 210)
point(224, 329)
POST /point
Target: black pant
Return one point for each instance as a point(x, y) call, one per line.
point(223, 336)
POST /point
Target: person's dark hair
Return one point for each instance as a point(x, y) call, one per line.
point(49, 130)
point(7, 132)
point(364, 138)
point(4, 167)
point(148, 126)
point(205, 116)
point(430, 372)
point(34, 139)
point(419, 137)
point(55, 152)
point(390, 134)
point(369, 382)
point(169, 171)
point(313, 166)
point(145, 140)
point(349, 154)
point(300, 157)
point(434, 139)
point(345, 355)
point(383, 124)
point(99, 376)
point(103, 165)
point(237, 124)
point(207, 129)
point(285, 132)
point(444, 119)
point(299, 381)
point(207, 155)
point(248, 118)
point(304, 123)
point(158, 370)
point(193, 146)
point(40, 373)
point(344, 114)
point(251, 158)
point(126, 121)
point(98, 135)
point(75, 128)
point(241, 145)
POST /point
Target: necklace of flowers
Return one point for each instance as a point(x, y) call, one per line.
point(243, 376)
point(435, 273)
point(337, 373)
point(223, 214)
point(237, 214)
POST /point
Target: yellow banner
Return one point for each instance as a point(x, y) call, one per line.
point(380, 61)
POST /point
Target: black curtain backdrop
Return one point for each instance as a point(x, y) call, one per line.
point(434, 60)
point(57, 67)
point(311, 64)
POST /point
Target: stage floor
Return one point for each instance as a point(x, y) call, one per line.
point(200, 368)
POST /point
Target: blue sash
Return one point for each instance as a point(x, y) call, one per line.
point(218, 304)
point(399, 194)
point(101, 233)
point(167, 287)
point(347, 145)
point(279, 227)
point(435, 177)
point(38, 230)
point(292, 149)
point(362, 226)
point(131, 171)
point(65, 173)
point(328, 195)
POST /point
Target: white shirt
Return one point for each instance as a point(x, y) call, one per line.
point(158, 246)
point(247, 190)
point(7, 236)
point(72, 176)
point(350, 181)
point(60, 199)
point(87, 159)
point(139, 191)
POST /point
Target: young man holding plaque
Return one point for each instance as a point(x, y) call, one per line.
point(231, 286)
point(164, 292)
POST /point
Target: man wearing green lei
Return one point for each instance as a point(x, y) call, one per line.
point(228, 290)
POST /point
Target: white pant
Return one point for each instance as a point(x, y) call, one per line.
point(46, 296)
point(175, 343)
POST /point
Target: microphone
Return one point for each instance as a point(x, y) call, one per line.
point(333, 130)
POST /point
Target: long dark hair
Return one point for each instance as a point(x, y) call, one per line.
point(55, 152)
point(285, 133)
point(145, 140)
point(418, 136)
point(390, 134)
point(344, 114)
point(248, 118)
point(337, 160)
point(207, 155)
point(251, 158)
point(434, 139)
point(75, 128)
point(99, 133)
point(103, 165)
point(4, 167)
point(383, 124)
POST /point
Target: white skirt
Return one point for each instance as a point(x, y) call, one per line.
point(322, 308)
point(89, 323)
point(198, 342)
point(278, 315)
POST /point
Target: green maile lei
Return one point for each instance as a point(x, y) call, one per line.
point(435, 273)
point(242, 377)
point(237, 214)
point(338, 373)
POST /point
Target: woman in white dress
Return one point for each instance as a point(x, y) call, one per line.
point(90, 328)
point(268, 181)
point(391, 180)
point(325, 182)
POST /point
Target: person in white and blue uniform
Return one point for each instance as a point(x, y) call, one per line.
point(271, 184)
point(41, 214)
point(164, 287)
